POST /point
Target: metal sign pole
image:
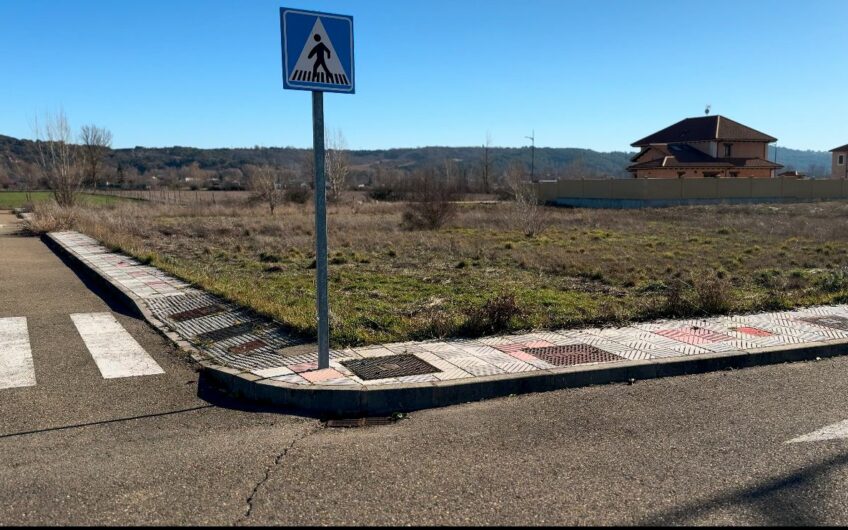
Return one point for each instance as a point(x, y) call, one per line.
point(320, 230)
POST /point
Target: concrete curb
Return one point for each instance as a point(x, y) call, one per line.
point(329, 401)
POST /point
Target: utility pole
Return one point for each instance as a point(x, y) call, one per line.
point(532, 154)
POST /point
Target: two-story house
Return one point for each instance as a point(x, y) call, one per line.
point(840, 162)
point(709, 146)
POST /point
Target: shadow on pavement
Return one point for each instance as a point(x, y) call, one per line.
point(214, 396)
point(95, 284)
point(791, 499)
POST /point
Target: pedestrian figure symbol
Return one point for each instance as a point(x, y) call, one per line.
point(318, 62)
point(318, 51)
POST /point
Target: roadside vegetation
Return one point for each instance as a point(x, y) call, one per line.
point(23, 199)
point(479, 269)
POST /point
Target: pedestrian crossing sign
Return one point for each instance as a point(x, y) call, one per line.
point(317, 51)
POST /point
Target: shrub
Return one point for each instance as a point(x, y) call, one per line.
point(49, 217)
point(431, 202)
point(833, 281)
point(675, 299)
point(297, 195)
point(493, 316)
point(713, 294)
point(386, 193)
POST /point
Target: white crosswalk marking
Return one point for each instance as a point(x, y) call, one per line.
point(835, 431)
point(16, 367)
point(114, 350)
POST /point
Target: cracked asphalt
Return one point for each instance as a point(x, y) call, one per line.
point(164, 449)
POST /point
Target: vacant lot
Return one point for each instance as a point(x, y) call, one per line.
point(480, 274)
point(17, 199)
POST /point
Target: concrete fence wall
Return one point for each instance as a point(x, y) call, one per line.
point(636, 193)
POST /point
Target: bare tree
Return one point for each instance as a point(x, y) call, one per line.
point(5, 180)
point(266, 183)
point(486, 165)
point(530, 216)
point(95, 143)
point(432, 200)
point(307, 167)
point(59, 157)
point(337, 164)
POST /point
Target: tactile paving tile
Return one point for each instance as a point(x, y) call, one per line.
point(229, 332)
point(204, 311)
point(748, 330)
point(693, 335)
point(389, 366)
point(246, 346)
point(573, 354)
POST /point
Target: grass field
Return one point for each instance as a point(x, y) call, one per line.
point(481, 275)
point(17, 199)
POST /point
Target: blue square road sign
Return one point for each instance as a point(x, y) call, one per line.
point(317, 51)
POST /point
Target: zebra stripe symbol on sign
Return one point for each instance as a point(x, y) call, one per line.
point(318, 62)
point(317, 51)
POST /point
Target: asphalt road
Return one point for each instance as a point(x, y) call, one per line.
point(709, 449)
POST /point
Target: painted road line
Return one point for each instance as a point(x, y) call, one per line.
point(114, 350)
point(835, 431)
point(16, 366)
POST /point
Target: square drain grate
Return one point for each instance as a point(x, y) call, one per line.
point(389, 366)
point(572, 354)
point(830, 321)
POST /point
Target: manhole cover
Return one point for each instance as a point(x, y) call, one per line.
point(196, 313)
point(246, 347)
point(831, 321)
point(572, 354)
point(389, 366)
point(228, 333)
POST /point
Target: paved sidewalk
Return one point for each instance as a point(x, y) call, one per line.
point(258, 349)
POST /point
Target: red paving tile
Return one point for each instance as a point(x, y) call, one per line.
point(754, 331)
point(303, 367)
point(691, 335)
point(321, 375)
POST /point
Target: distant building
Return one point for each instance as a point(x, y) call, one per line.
point(840, 162)
point(709, 146)
point(795, 174)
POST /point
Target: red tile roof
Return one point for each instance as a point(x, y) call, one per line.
point(706, 128)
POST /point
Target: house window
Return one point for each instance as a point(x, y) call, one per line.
point(840, 161)
point(728, 149)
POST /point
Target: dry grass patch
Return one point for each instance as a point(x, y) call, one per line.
point(480, 274)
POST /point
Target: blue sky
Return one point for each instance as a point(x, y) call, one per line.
point(593, 74)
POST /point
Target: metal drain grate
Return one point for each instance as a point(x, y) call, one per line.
point(204, 311)
point(389, 366)
point(572, 354)
point(830, 321)
point(359, 422)
point(246, 347)
point(229, 332)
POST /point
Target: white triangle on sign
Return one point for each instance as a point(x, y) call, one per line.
point(314, 65)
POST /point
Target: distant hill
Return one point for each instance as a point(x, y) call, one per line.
point(224, 166)
point(813, 163)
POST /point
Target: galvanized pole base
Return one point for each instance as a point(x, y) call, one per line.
point(321, 230)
